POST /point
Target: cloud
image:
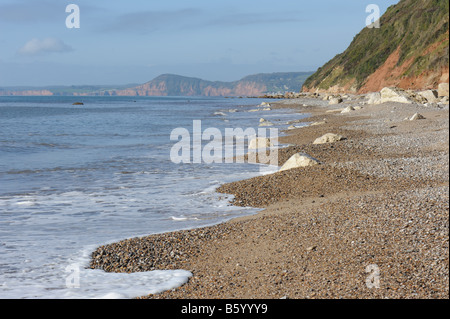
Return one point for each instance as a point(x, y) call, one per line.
point(36, 47)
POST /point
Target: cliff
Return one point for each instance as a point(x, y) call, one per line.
point(410, 50)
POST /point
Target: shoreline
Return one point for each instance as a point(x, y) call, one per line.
point(380, 197)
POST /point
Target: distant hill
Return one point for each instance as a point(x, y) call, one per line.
point(252, 85)
point(177, 85)
point(410, 50)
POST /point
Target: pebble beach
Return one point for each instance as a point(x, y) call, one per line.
point(377, 206)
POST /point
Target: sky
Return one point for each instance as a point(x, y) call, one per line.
point(122, 42)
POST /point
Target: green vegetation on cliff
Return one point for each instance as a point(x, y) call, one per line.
point(411, 25)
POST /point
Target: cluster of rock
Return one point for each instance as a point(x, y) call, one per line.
point(432, 97)
point(426, 97)
point(287, 95)
point(332, 99)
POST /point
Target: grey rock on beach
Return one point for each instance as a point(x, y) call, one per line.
point(299, 160)
point(430, 95)
point(391, 94)
point(328, 138)
point(335, 100)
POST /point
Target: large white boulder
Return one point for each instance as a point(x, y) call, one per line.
point(444, 100)
point(335, 100)
point(374, 98)
point(430, 95)
point(392, 94)
point(443, 89)
point(299, 160)
point(328, 138)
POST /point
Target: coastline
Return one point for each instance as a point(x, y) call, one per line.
point(380, 197)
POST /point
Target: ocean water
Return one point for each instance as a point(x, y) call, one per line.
point(75, 177)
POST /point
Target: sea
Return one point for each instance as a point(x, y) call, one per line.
point(75, 177)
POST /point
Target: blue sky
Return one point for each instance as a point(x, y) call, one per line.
point(122, 42)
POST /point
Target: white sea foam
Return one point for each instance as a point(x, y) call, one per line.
point(183, 218)
point(76, 281)
point(178, 218)
point(25, 203)
point(268, 169)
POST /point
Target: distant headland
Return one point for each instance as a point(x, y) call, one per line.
point(177, 85)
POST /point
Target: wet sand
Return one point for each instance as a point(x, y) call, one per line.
point(371, 221)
